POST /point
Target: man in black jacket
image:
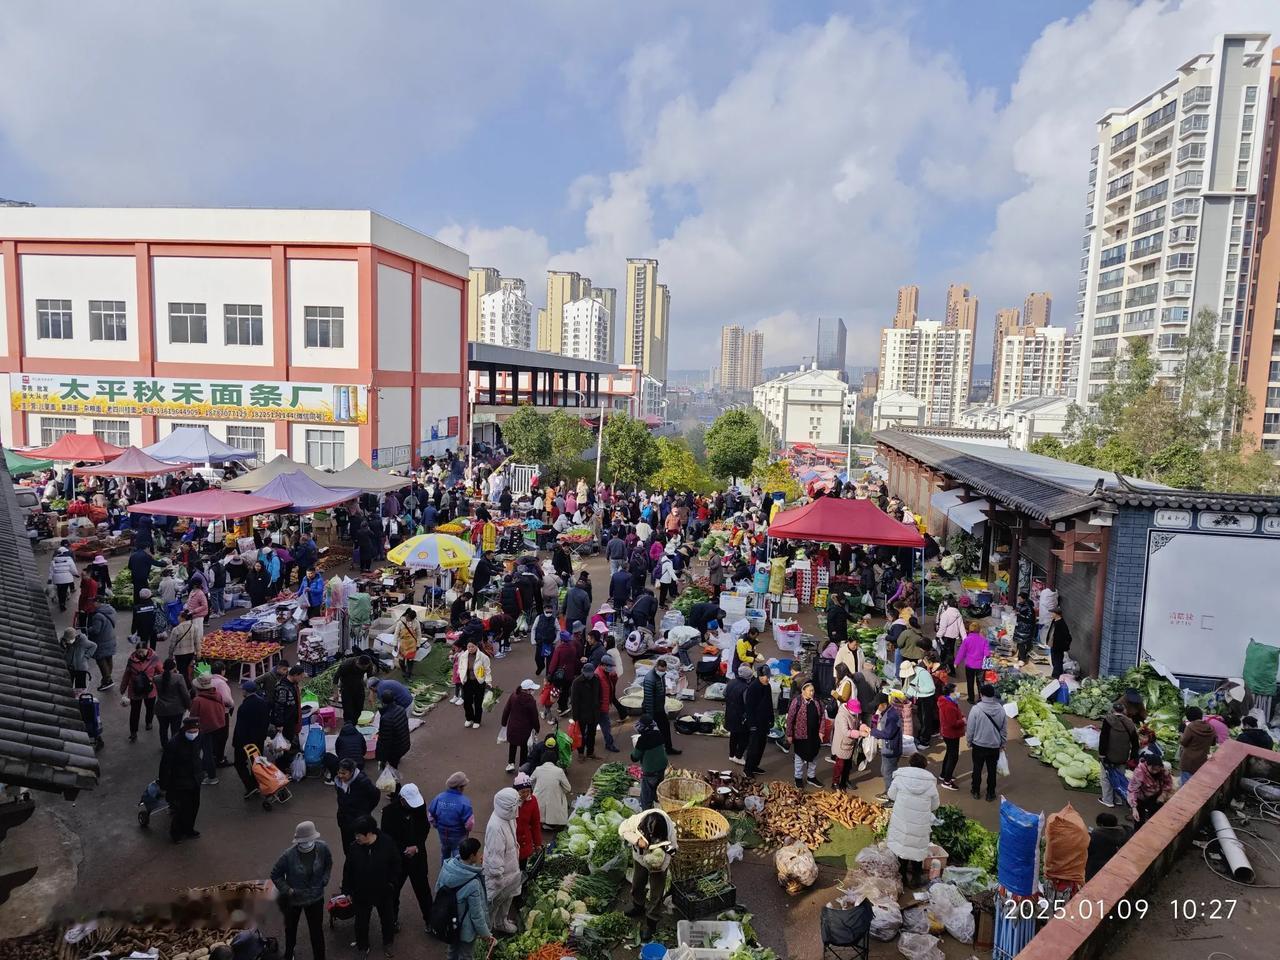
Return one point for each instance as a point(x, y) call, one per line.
point(393, 731)
point(1105, 840)
point(644, 610)
point(735, 713)
point(251, 728)
point(654, 704)
point(620, 589)
point(758, 701)
point(371, 878)
point(140, 564)
point(577, 605)
point(404, 820)
point(1058, 637)
point(181, 771)
point(352, 675)
point(480, 577)
point(700, 614)
point(357, 797)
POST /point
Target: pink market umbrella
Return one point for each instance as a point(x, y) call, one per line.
point(132, 463)
point(211, 505)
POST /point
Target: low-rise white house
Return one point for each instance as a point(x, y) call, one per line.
point(805, 406)
point(897, 408)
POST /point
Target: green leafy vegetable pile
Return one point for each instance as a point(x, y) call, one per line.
point(967, 842)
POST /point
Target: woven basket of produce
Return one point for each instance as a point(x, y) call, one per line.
point(703, 837)
point(677, 793)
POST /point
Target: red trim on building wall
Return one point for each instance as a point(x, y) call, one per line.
point(279, 312)
point(297, 251)
point(367, 298)
point(144, 307)
point(13, 303)
point(415, 362)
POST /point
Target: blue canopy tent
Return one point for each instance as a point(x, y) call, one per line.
point(303, 493)
point(195, 445)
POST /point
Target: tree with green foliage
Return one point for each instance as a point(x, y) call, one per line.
point(1181, 431)
point(630, 452)
point(774, 476)
point(733, 443)
point(696, 437)
point(568, 437)
point(525, 432)
point(679, 470)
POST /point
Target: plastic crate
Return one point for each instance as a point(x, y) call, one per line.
point(696, 934)
point(685, 898)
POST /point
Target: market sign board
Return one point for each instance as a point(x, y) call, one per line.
point(188, 399)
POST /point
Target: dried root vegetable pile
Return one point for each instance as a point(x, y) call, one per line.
point(115, 940)
point(791, 814)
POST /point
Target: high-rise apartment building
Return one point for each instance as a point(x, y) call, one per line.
point(741, 358)
point(932, 362)
point(608, 297)
point(584, 331)
point(642, 330)
point(563, 286)
point(506, 315)
point(1033, 363)
point(662, 324)
point(1260, 363)
point(480, 281)
point(1036, 310)
point(1169, 217)
point(830, 354)
point(962, 309)
point(908, 307)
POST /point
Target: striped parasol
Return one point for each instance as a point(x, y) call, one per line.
point(432, 551)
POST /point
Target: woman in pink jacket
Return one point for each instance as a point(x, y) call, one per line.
point(973, 650)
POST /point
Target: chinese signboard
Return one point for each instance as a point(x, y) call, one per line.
point(71, 394)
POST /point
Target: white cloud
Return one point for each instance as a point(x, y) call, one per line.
point(1111, 55)
point(515, 252)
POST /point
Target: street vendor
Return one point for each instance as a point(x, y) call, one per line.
point(651, 835)
point(744, 654)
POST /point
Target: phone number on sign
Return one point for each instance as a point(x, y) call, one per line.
point(1083, 909)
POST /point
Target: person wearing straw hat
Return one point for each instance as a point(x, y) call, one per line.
point(301, 876)
point(404, 820)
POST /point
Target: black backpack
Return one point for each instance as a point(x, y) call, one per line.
point(141, 685)
point(445, 922)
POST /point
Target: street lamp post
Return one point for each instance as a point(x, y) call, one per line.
point(599, 432)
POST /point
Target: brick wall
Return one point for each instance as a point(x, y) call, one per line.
point(1126, 581)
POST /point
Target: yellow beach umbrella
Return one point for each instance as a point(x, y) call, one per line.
point(432, 550)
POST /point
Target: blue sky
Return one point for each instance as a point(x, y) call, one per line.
point(782, 160)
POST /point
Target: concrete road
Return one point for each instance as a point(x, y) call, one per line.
point(92, 853)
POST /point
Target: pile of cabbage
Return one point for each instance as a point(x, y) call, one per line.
point(1076, 766)
point(587, 827)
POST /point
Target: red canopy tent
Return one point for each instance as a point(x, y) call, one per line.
point(78, 446)
point(211, 505)
point(132, 463)
point(839, 520)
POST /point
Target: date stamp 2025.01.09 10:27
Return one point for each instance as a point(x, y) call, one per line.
point(1085, 909)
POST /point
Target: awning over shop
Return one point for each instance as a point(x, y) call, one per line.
point(966, 516)
point(256, 479)
point(71, 447)
point(304, 493)
point(20, 466)
point(211, 505)
point(132, 463)
point(834, 520)
point(361, 476)
point(195, 445)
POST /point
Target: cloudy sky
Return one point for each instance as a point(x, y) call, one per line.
point(782, 160)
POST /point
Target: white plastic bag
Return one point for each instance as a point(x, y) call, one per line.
point(1002, 765)
point(753, 805)
point(882, 647)
point(298, 768)
point(502, 734)
point(915, 920)
point(795, 867)
point(388, 779)
point(886, 920)
point(878, 861)
point(1011, 709)
point(920, 946)
point(909, 747)
point(948, 906)
point(867, 599)
point(1087, 737)
point(735, 852)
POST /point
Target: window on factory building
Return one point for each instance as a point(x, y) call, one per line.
point(188, 323)
point(53, 319)
point(326, 449)
point(112, 431)
point(243, 324)
point(323, 326)
point(249, 438)
point(106, 320)
point(53, 429)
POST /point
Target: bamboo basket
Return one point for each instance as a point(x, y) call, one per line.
point(677, 793)
point(702, 835)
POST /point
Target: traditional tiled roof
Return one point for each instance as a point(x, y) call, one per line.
point(1196, 500)
point(43, 744)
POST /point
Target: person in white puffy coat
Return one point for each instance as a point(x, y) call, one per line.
point(914, 794)
point(502, 878)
